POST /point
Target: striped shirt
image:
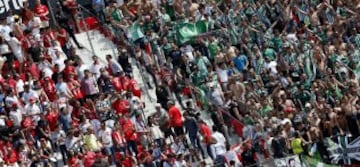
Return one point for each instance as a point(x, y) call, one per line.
point(357, 40)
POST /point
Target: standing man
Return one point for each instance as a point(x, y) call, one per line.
point(175, 119)
point(89, 85)
point(63, 22)
point(218, 149)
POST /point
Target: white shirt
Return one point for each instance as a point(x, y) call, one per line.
point(10, 100)
point(115, 66)
point(140, 126)
point(35, 22)
point(15, 45)
point(72, 144)
point(119, 2)
point(292, 38)
point(61, 87)
point(4, 49)
point(272, 66)
point(156, 133)
point(188, 51)
point(5, 31)
point(219, 148)
point(80, 71)
point(232, 156)
point(95, 69)
point(46, 68)
point(58, 136)
point(57, 48)
point(27, 95)
point(32, 109)
point(106, 137)
point(178, 148)
point(16, 117)
point(20, 85)
point(223, 75)
point(84, 126)
point(96, 125)
point(60, 61)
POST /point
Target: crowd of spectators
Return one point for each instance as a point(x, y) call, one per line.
point(276, 77)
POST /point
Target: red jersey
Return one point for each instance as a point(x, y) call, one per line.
point(89, 159)
point(127, 162)
point(175, 117)
point(11, 157)
point(206, 131)
point(12, 83)
point(118, 139)
point(73, 162)
point(129, 130)
point(62, 40)
point(33, 70)
point(42, 11)
point(49, 89)
point(73, 86)
point(48, 37)
point(121, 106)
point(52, 118)
point(135, 88)
point(68, 70)
point(238, 127)
point(125, 81)
point(117, 84)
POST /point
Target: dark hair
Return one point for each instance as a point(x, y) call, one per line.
point(149, 121)
point(215, 128)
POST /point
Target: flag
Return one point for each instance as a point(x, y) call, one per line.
point(201, 97)
point(357, 71)
point(188, 31)
point(338, 92)
point(135, 32)
point(313, 162)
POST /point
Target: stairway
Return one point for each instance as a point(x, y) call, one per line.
point(102, 47)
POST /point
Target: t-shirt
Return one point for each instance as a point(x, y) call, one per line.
point(219, 148)
point(16, 117)
point(129, 131)
point(15, 45)
point(240, 62)
point(205, 130)
point(35, 22)
point(89, 159)
point(106, 137)
point(90, 141)
point(52, 118)
point(175, 116)
point(41, 11)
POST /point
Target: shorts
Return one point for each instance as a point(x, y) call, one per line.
point(179, 131)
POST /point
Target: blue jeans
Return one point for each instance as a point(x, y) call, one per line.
point(110, 151)
point(195, 142)
point(220, 161)
point(132, 147)
point(208, 150)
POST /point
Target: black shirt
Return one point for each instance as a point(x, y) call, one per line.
point(175, 55)
point(123, 60)
point(35, 52)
